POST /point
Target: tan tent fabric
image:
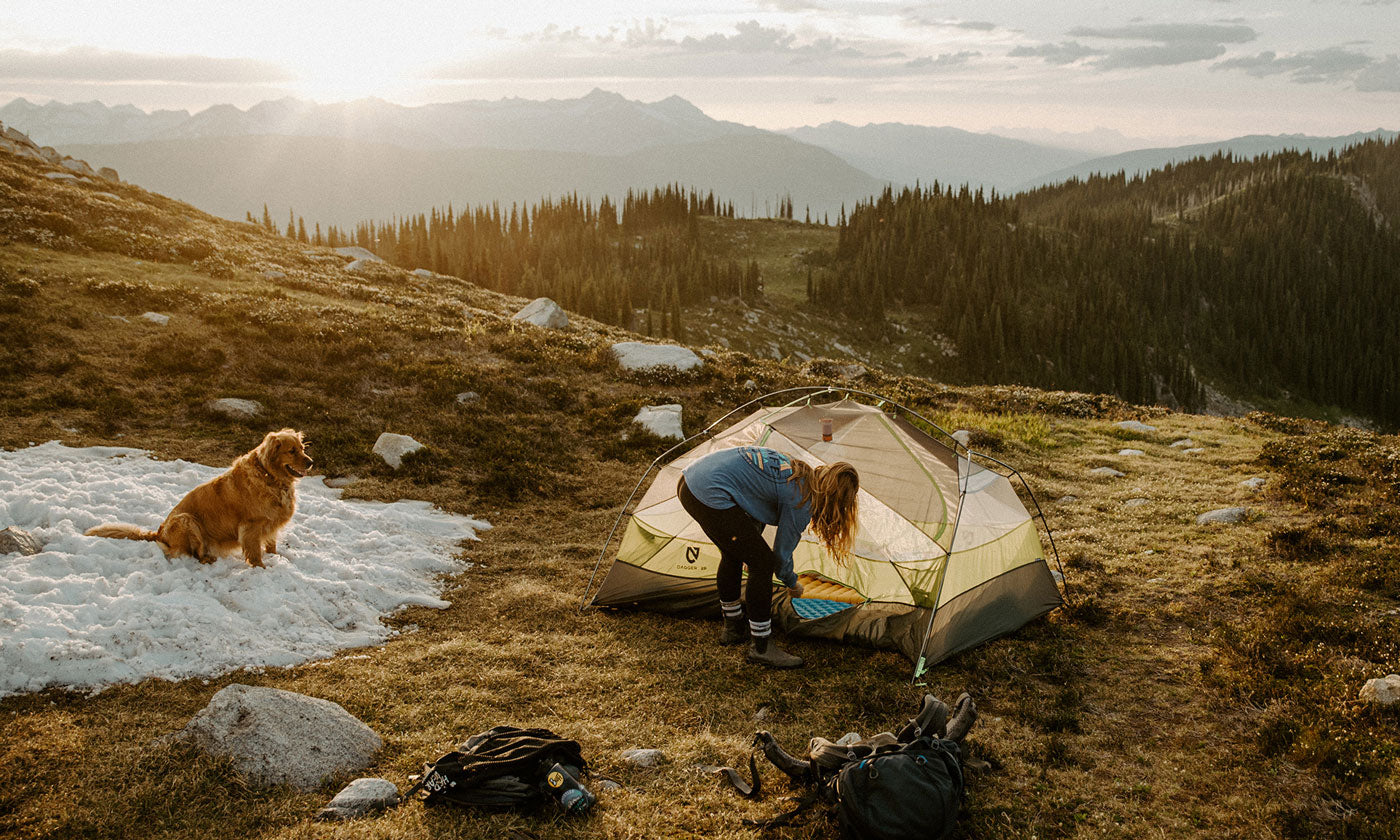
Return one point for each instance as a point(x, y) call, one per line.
point(919, 500)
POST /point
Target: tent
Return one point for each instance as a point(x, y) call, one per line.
point(946, 555)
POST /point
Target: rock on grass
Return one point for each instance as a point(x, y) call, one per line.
point(275, 737)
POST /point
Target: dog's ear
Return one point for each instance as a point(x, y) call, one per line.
point(266, 449)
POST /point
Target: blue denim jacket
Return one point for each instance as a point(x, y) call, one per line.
point(757, 480)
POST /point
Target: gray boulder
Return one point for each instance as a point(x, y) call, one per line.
point(661, 420)
point(109, 174)
point(392, 448)
point(234, 408)
point(1255, 483)
point(1135, 426)
point(1129, 453)
point(79, 166)
point(1137, 502)
point(1184, 443)
point(644, 758)
point(1383, 691)
point(358, 254)
point(275, 737)
point(467, 397)
point(963, 436)
point(156, 318)
point(543, 312)
point(1106, 472)
point(638, 355)
point(361, 797)
point(1225, 516)
point(16, 540)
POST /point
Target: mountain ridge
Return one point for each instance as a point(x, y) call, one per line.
point(1142, 161)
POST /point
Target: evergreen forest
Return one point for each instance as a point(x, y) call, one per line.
point(607, 262)
point(1277, 277)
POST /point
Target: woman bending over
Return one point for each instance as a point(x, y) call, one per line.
point(732, 494)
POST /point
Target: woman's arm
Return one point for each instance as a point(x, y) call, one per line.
point(791, 523)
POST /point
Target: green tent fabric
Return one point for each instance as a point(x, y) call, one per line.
point(946, 555)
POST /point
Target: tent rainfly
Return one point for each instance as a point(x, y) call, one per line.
point(946, 555)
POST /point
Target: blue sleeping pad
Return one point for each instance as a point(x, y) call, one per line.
point(810, 608)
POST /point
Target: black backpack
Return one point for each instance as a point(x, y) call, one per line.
point(907, 786)
point(901, 792)
point(502, 767)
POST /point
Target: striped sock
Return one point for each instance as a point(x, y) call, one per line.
point(760, 629)
point(732, 609)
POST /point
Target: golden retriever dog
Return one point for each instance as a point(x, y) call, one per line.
point(245, 507)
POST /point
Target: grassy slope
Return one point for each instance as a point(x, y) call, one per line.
point(1181, 698)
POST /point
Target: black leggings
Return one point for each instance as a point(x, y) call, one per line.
point(740, 542)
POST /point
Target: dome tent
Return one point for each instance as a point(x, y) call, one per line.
point(946, 555)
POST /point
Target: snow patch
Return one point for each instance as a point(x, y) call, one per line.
point(88, 612)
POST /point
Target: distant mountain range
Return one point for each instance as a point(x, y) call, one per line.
point(905, 154)
point(599, 123)
point(344, 162)
point(338, 181)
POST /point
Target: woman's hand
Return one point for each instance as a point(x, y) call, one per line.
point(796, 591)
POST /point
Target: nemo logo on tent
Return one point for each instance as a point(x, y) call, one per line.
point(692, 553)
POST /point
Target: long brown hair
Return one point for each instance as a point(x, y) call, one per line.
point(830, 492)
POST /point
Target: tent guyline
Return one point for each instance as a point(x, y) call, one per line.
point(946, 554)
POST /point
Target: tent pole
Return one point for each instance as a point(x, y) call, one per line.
point(919, 666)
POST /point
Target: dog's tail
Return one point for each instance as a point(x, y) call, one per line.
point(119, 531)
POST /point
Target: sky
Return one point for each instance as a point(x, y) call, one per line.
point(1183, 70)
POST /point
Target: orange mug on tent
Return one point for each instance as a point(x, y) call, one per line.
point(826, 429)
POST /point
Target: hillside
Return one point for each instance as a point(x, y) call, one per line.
point(1202, 684)
point(1143, 161)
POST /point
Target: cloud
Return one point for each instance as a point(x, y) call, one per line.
point(792, 5)
point(944, 60)
point(915, 17)
point(1066, 53)
point(89, 64)
point(1333, 64)
point(1381, 76)
point(749, 37)
point(1166, 44)
point(1159, 55)
point(750, 49)
point(1172, 33)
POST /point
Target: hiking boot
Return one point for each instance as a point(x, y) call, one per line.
point(762, 651)
point(964, 715)
point(796, 768)
point(930, 720)
point(736, 630)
